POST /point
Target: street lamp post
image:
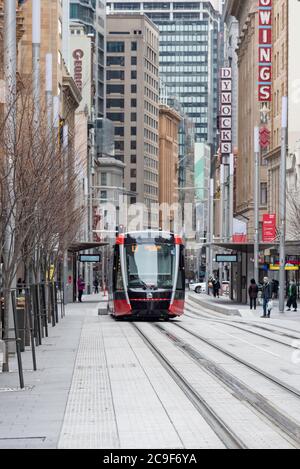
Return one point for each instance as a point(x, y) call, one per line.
point(283, 203)
point(256, 203)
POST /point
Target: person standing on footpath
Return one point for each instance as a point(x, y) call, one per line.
point(80, 288)
point(267, 294)
point(216, 288)
point(292, 296)
point(96, 285)
point(253, 294)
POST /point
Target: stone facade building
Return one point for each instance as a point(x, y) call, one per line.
point(246, 12)
point(169, 121)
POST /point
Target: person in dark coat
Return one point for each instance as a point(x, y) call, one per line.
point(80, 288)
point(292, 296)
point(216, 288)
point(267, 295)
point(96, 285)
point(253, 294)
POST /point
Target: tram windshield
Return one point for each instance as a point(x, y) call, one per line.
point(150, 265)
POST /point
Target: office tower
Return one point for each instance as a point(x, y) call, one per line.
point(133, 101)
point(188, 56)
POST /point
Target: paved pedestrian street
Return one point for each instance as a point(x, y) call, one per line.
point(205, 381)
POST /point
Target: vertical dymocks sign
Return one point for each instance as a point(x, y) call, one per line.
point(265, 51)
point(226, 111)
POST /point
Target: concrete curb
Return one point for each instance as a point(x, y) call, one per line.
point(215, 307)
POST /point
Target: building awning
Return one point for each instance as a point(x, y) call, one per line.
point(246, 247)
point(85, 245)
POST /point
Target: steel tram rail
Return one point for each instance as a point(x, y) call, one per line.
point(219, 321)
point(241, 390)
point(226, 435)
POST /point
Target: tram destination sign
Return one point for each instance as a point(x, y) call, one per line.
point(226, 258)
point(89, 258)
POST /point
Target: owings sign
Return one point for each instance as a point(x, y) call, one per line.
point(265, 51)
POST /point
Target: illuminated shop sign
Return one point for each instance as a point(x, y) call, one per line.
point(265, 51)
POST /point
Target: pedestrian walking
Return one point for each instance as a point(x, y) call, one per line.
point(80, 288)
point(292, 296)
point(216, 288)
point(253, 294)
point(96, 285)
point(267, 294)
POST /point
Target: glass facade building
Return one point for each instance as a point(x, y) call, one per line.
point(91, 14)
point(189, 34)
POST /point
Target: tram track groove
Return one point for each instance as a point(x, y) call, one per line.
point(221, 429)
point(220, 317)
point(254, 368)
point(235, 326)
point(207, 315)
point(244, 393)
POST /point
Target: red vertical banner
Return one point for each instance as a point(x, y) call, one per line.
point(269, 228)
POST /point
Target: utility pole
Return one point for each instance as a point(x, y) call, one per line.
point(66, 166)
point(231, 196)
point(283, 203)
point(256, 203)
point(210, 236)
point(10, 71)
point(222, 217)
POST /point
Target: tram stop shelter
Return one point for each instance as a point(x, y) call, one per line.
point(74, 250)
point(242, 271)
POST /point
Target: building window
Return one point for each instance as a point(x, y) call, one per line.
point(116, 116)
point(133, 173)
point(118, 103)
point(133, 200)
point(115, 46)
point(133, 159)
point(264, 193)
point(117, 89)
point(133, 145)
point(115, 60)
point(133, 102)
point(133, 60)
point(133, 187)
point(59, 27)
point(103, 179)
point(134, 46)
point(119, 145)
point(119, 131)
point(103, 195)
point(133, 88)
point(115, 74)
point(133, 74)
point(133, 117)
point(133, 130)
